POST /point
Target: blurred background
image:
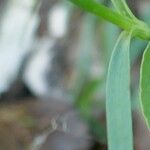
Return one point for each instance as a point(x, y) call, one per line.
point(53, 65)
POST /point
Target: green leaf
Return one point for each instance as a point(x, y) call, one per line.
point(145, 84)
point(118, 105)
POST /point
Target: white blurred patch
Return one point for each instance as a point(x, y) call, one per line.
point(16, 35)
point(35, 72)
point(58, 21)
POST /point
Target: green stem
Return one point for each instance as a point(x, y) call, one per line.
point(104, 12)
point(139, 28)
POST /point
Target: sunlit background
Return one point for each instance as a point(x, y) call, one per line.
point(53, 65)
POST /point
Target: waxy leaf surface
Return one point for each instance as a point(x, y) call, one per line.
point(118, 105)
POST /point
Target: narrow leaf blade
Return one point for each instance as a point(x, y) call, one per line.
point(145, 84)
point(123, 8)
point(118, 106)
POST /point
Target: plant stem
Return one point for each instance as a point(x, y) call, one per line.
point(104, 12)
point(139, 28)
